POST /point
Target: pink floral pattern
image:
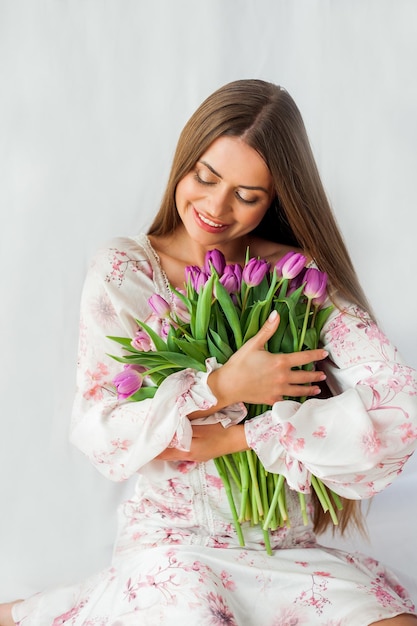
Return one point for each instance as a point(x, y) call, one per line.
point(177, 558)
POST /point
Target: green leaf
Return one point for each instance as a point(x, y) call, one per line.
point(171, 345)
point(218, 348)
point(195, 349)
point(295, 296)
point(253, 324)
point(214, 351)
point(219, 322)
point(142, 394)
point(293, 324)
point(287, 342)
point(183, 361)
point(125, 342)
point(259, 291)
point(268, 299)
point(274, 344)
point(220, 344)
point(311, 339)
point(147, 359)
point(158, 377)
point(226, 303)
point(321, 318)
point(203, 311)
point(186, 301)
point(158, 342)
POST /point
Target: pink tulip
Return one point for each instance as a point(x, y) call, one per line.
point(231, 278)
point(128, 381)
point(214, 259)
point(197, 276)
point(142, 341)
point(255, 271)
point(180, 309)
point(316, 285)
point(290, 264)
point(159, 306)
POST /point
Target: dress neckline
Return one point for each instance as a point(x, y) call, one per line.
point(154, 256)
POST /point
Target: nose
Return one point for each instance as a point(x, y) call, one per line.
point(219, 203)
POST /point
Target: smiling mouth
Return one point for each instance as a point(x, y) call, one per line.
point(209, 222)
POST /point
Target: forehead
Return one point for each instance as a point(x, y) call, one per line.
point(233, 159)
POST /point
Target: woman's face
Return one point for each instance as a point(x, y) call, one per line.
point(226, 194)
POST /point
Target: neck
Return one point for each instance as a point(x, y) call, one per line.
point(191, 252)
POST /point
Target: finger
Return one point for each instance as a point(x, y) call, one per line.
point(302, 377)
point(265, 332)
point(306, 356)
point(299, 391)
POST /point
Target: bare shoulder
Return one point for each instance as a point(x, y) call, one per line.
point(270, 250)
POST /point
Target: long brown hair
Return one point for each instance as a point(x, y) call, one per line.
point(266, 117)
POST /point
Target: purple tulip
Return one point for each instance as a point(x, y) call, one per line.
point(180, 309)
point(128, 381)
point(255, 271)
point(197, 276)
point(231, 278)
point(191, 271)
point(297, 281)
point(142, 341)
point(214, 259)
point(290, 265)
point(159, 306)
point(316, 285)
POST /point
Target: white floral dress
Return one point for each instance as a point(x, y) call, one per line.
point(176, 557)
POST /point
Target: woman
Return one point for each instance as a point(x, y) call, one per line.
point(243, 175)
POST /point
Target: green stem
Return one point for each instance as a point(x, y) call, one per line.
point(282, 507)
point(264, 488)
point(255, 484)
point(223, 475)
point(245, 297)
point(303, 508)
point(336, 500)
point(274, 501)
point(304, 329)
point(228, 461)
point(323, 496)
point(267, 542)
point(273, 524)
point(244, 475)
point(155, 370)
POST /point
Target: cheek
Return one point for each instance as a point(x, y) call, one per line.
point(184, 190)
point(253, 218)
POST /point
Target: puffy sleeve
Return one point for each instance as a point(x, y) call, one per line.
point(119, 437)
point(358, 440)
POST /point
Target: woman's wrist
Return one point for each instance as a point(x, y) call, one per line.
point(237, 441)
point(221, 388)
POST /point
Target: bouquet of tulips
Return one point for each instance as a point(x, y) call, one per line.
point(222, 307)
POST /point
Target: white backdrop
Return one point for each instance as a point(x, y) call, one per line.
point(93, 96)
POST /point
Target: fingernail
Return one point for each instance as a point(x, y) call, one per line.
point(273, 316)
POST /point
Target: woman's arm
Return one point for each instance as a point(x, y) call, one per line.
point(119, 437)
point(358, 440)
point(256, 376)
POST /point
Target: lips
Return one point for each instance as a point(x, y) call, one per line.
point(209, 224)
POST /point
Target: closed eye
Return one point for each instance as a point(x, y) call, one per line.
point(199, 177)
point(202, 181)
point(244, 200)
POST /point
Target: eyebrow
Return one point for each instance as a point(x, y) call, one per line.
point(221, 177)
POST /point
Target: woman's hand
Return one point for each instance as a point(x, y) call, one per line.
point(257, 376)
point(209, 441)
